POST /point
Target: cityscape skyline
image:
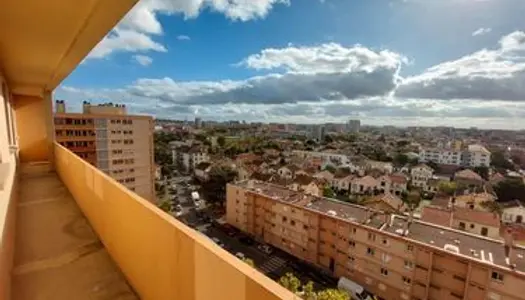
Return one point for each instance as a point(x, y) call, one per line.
point(460, 63)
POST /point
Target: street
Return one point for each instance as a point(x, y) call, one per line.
point(273, 265)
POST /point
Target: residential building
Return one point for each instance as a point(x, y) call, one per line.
point(342, 159)
point(119, 144)
point(472, 156)
point(420, 175)
point(68, 230)
point(385, 202)
point(188, 157)
point(353, 125)
point(392, 256)
point(202, 170)
point(468, 178)
point(513, 212)
point(385, 167)
point(364, 185)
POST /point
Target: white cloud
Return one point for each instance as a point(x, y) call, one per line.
point(325, 58)
point(486, 74)
point(481, 31)
point(137, 27)
point(183, 37)
point(330, 82)
point(143, 60)
point(123, 40)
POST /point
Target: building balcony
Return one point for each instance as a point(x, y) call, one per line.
point(71, 232)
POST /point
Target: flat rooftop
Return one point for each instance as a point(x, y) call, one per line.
point(470, 245)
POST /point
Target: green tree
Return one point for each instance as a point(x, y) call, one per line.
point(510, 189)
point(400, 159)
point(498, 160)
point(165, 205)
point(330, 168)
point(433, 165)
point(447, 187)
point(328, 192)
point(332, 294)
point(411, 199)
point(482, 171)
point(214, 189)
point(308, 291)
point(221, 141)
point(290, 282)
point(328, 139)
point(249, 262)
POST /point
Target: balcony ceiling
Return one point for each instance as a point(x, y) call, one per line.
point(42, 41)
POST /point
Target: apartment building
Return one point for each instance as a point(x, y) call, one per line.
point(118, 144)
point(188, 157)
point(471, 156)
point(394, 257)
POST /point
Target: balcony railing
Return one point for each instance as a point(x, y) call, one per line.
point(160, 257)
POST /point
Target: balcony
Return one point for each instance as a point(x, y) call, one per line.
point(80, 235)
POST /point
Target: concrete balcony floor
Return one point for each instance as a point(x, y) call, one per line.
point(57, 254)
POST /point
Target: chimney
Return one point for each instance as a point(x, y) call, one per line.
point(60, 106)
point(508, 239)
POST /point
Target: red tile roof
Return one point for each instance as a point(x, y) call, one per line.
point(436, 215)
point(477, 216)
point(468, 174)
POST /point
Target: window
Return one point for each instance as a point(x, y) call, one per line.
point(284, 219)
point(497, 276)
point(371, 237)
point(409, 264)
point(384, 272)
point(410, 248)
point(370, 251)
point(385, 242)
point(462, 225)
point(472, 226)
point(385, 257)
point(351, 243)
point(305, 227)
point(407, 280)
point(354, 230)
point(484, 231)
point(292, 222)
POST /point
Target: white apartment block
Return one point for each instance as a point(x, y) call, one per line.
point(473, 156)
point(189, 158)
point(326, 156)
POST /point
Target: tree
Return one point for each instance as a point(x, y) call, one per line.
point(499, 161)
point(221, 141)
point(411, 199)
point(493, 207)
point(165, 205)
point(400, 159)
point(290, 282)
point(330, 168)
point(214, 189)
point(482, 171)
point(332, 294)
point(308, 291)
point(328, 139)
point(249, 262)
point(510, 189)
point(447, 187)
point(328, 192)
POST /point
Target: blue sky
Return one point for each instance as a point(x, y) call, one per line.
point(401, 62)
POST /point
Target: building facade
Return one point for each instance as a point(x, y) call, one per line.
point(471, 156)
point(118, 144)
point(392, 256)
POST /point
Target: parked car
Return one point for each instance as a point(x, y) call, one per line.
point(218, 242)
point(266, 249)
point(247, 240)
point(240, 255)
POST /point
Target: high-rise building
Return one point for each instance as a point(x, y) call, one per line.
point(198, 122)
point(392, 256)
point(119, 144)
point(353, 125)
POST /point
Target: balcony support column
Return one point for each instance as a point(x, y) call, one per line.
point(35, 128)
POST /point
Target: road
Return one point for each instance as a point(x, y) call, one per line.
point(273, 265)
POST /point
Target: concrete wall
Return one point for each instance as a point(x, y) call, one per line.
point(8, 199)
point(160, 257)
point(34, 126)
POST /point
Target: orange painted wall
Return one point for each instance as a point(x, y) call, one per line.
point(160, 257)
point(8, 198)
point(33, 121)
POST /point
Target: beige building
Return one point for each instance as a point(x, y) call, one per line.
point(390, 255)
point(118, 144)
